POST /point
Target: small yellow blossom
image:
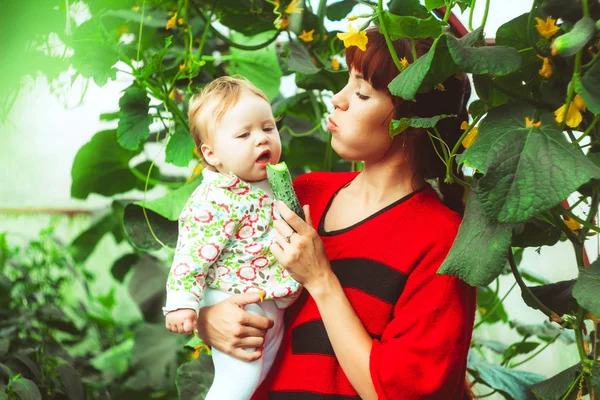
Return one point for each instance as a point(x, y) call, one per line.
point(197, 170)
point(354, 38)
point(197, 349)
point(404, 62)
point(546, 28)
point(483, 311)
point(574, 116)
point(335, 64)
point(471, 136)
point(572, 224)
point(294, 7)
point(135, 8)
point(282, 21)
point(530, 124)
point(440, 87)
point(325, 37)
point(182, 67)
point(307, 36)
point(352, 18)
point(546, 70)
point(180, 21)
point(171, 22)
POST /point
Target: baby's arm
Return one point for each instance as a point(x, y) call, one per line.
point(200, 243)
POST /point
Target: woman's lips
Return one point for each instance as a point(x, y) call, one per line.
point(330, 124)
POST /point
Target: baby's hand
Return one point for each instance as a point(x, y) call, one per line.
point(181, 321)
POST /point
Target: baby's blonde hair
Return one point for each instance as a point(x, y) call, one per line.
point(226, 91)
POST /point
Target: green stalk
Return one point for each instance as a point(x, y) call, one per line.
point(543, 308)
point(489, 312)
point(590, 127)
point(571, 92)
point(590, 217)
point(575, 382)
point(388, 41)
point(448, 12)
point(472, 9)
point(139, 45)
point(414, 49)
point(536, 353)
point(485, 14)
point(458, 144)
point(588, 65)
point(321, 11)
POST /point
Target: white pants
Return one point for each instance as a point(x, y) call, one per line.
point(236, 379)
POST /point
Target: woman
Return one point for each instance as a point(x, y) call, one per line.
point(375, 320)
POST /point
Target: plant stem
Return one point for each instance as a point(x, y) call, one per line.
point(489, 312)
point(138, 174)
point(589, 128)
point(414, 49)
point(448, 12)
point(321, 11)
point(571, 92)
point(575, 382)
point(543, 308)
point(139, 45)
point(535, 354)
point(485, 14)
point(585, 8)
point(588, 65)
point(472, 9)
point(590, 217)
point(458, 144)
point(388, 41)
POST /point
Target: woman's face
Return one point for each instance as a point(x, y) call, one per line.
point(359, 124)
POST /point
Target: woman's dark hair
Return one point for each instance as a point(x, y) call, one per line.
point(377, 66)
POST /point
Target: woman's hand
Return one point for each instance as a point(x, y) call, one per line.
point(229, 328)
point(300, 249)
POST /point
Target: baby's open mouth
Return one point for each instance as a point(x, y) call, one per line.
point(264, 157)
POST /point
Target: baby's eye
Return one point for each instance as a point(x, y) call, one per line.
point(362, 96)
point(244, 135)
point(268, 129)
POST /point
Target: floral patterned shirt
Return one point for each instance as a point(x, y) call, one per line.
point(225, 233)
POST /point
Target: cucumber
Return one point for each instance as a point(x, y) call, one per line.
point(571, 42)
point(281, 184)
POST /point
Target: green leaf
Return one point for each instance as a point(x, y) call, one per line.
point(71, 381)
point(472, 38)
point(411, 27)
point(171, 204)
point(308, 152)
point(85, 243)
point(533, 276)
point(520, 347)
point(247, 17)
point(180, 149)
point(480, 249)
point(488, 300)
point(556, 296)
point(123, 265)
point(514, 33)
point(399, 126)
point(299, 105)
point(488, 92)
point(497, 60)
point(556, 387)
point(139, 234)
point(94, 52)
point(527, 169)
point(134, 120)
point(253, 64)
point(534, 233)
point(25, 389)
point(194, 378)
point(154, 65)
point(155, 355)
point(596, 376)
point(429, 70)
point(324, 79)
point(408, 7)
point(546, 331)
point(115, 361)
point(515, 384)
point(587, 288)
point(147, 287)
point(339, 10)
point(299, 59)
point(494, 345)
point(432, 4)
point(477, 108)
point(589, 88)
point(102, 166)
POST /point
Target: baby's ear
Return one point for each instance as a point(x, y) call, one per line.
point(209, 155)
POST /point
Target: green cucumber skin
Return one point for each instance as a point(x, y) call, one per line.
point(571, 42)
point(283, 190)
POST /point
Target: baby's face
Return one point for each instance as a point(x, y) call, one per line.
point(245, 139)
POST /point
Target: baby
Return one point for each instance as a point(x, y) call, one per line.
point(226, 227)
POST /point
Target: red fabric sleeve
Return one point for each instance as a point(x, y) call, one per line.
point(423, 351)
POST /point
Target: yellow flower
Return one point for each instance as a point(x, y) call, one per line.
point(182, 67)
point(172, 22)
point(180, 21)
point(471, 136)
point(354, 38)
point(294, 7)
point(530, 124)
point(282, 21)
point(335, 64)
point(483, 311)
point(572, 224)
point(440, 87)
point(198, 348)
point(307, 36)
point(352, 18)
point(135, 8)
point(546, 28)
point(546, 70)
point(404, 62)
point(574, 116)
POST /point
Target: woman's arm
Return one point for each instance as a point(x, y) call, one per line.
point(229, 328)
point(305, 259)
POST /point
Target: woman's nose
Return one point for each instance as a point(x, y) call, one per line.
point(339, 100)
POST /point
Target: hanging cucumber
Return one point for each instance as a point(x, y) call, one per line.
point(571, 42)
point(281, 184)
